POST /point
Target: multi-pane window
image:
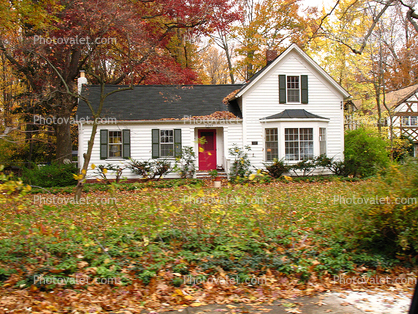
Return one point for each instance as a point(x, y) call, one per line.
point(166, 143)
point(298, 143)
point(293, 89)
point(322, 141)
point(115, 144)
point(272, 150)
point(409, 121)
point(306, 143)
point(291, 140)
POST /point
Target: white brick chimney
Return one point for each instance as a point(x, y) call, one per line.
point(81, 80)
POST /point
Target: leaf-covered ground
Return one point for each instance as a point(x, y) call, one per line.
point(166, 248)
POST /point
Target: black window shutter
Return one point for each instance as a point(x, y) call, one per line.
point(282, 89)
point(126, 142)
point(103, 144)
point(177, 142)
point(155, 143)
point(304, 89)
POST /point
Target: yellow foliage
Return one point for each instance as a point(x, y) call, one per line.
point(11, 189)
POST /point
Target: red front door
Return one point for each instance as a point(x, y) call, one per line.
point(207, 149)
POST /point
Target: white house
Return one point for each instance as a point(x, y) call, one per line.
point(404, 105)
point(291, 109)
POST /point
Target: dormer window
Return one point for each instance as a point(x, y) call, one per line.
point(293, 89)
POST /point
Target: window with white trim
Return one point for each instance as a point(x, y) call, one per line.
point(322, 141)
point(293, 89)
point(298, 144)
point(166, 143)
point(115, 144)
point(272, 150)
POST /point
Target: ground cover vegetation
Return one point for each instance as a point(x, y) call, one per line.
point(164, 247)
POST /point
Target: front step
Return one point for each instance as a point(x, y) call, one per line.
point(206, 175)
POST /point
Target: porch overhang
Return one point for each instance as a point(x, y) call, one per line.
point(294, 115)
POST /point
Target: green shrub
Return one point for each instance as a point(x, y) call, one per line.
point(139, 167)
point(150, 169)
point(11, 189)
point(103, 172)
point(365, 153)
point(403, 149)
point(384, 218)
point(159, 168)
point(304, 167)
point(185, 163)
point(277, 168)
point(241, 164)
point(339, 168)
point(50, 175)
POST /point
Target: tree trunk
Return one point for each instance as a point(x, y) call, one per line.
point(63, 134)
point(63, 127)
point(228, 58)
point(87, 156)
point(250, 59)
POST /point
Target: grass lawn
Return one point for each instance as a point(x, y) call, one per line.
point(160, 248)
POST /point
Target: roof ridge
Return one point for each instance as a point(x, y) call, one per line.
point(155, 85)
point(400, 89)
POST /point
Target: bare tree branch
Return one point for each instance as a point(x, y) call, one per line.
point(376, 19)
point(411, 16)
point(324, 18)
point(369, 33)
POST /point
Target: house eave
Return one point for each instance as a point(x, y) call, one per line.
point(294, 120)
point(194, 122)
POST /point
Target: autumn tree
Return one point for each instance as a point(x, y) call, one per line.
point(379, 8)
point(368, 48)
point(269, 24)
point(401, 46)
point(41, 43)
point(214, 66)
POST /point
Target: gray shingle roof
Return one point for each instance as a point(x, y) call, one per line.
point(154, 102)
point(294, 114)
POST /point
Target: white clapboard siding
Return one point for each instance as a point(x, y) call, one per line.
point(141, 142)
point(262, 100)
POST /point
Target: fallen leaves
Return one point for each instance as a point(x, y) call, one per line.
point(153, 232)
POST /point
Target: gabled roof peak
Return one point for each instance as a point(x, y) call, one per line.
point(293, 47)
